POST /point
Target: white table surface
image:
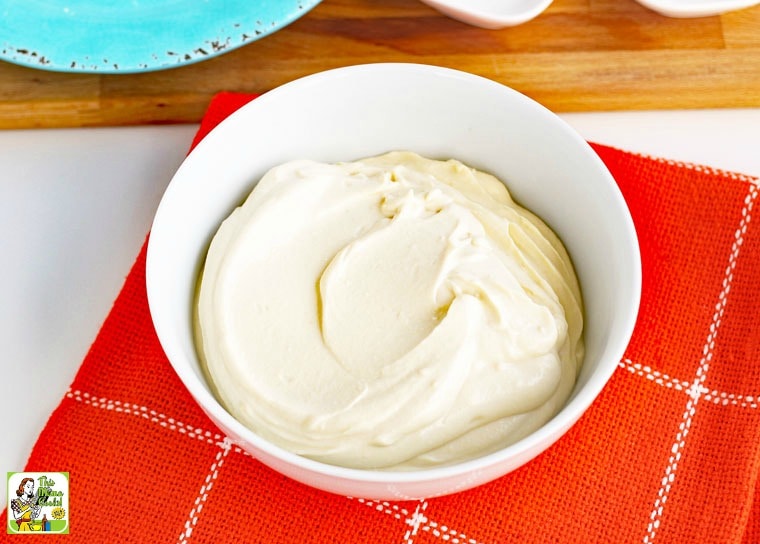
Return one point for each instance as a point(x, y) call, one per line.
point(76, 205)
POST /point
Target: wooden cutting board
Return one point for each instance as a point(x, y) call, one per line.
point(579, 55)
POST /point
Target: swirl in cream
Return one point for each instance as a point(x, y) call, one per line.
point(395, 312)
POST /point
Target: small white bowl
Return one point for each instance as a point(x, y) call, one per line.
point(359, 111)
point(695, 8)
point(490, 14)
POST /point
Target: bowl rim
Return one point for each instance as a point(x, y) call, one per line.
point(529, 446)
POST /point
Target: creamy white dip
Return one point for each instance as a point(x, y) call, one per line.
point(394, 312)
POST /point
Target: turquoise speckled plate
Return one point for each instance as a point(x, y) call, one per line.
point(117, 36)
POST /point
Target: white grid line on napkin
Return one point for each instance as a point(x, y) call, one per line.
point(200, 500)
point(709, 395)
point(695, 389)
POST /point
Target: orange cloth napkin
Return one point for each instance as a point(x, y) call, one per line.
point(670, 452)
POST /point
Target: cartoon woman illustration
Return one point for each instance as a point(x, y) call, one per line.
point(25, 508)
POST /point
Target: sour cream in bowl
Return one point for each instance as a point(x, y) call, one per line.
point(393, 281)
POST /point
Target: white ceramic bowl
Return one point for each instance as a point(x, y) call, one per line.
point(695, 8)
point(491, 14)
point(353, 112)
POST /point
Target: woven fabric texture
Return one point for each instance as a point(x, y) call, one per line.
point(669, 453)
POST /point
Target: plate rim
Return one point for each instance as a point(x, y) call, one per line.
point(33, 51)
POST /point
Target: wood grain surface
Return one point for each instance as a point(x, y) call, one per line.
point(579, 55)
